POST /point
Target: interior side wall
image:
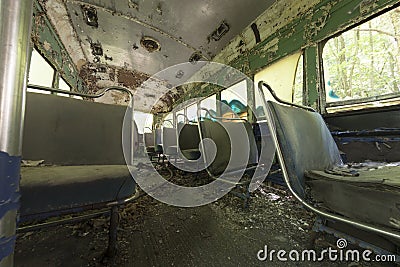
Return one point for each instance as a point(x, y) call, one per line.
point(289, 26)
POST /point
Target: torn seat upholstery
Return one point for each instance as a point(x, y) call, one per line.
point(309, 152)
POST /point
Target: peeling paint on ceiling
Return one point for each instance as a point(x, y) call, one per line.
point(110, 34)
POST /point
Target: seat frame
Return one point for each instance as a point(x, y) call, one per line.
point(287, 178)
point(97, 209)
point(246, 185)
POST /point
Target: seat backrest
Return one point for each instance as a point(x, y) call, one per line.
point(149, 139)
point(304, 140)
point(67, 131)
point(169, 137)
point(189, 137)
point(217, 131)
point(158, 136)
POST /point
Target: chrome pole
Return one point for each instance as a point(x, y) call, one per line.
point(15, 30)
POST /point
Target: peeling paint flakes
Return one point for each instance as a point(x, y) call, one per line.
point(81, 62)
point(280, 14)
point(230, 51)
point(57, 13)
point(368, 5)
point(47, 46)
point(315, 26)
point(271, 46)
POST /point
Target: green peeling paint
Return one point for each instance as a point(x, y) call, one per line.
point(50, 46)
point(305, 31)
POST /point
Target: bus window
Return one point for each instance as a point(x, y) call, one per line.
point(235, 100)
point(40, 73)
point(362, 64)
point(209, 103)
point(281, 77)
point(191, 112)
point(63, 85)
point(288, 87)
point(144, 121)
point(180, 115)
point(168, 121)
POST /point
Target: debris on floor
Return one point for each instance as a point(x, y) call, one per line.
point(151, 233)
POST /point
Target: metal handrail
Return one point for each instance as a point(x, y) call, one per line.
point(218, 118)
point(186, 119)
point(304, 202)
point(272, 92)
point(105, 90)
point(170, 121)
point(203, 149)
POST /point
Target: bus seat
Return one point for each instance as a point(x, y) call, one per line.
point(189, 140)
point(67, 131)
point(56, 188)
point(158, 141)
point(216, 132)
point(312, 161)
point(305, 141)
point(169, 142)
point(149, 144)
point(81, 146)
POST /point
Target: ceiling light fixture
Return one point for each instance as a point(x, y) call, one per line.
point(150, 44)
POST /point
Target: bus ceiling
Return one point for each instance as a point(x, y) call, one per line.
point(135, 39)
point(95, 44)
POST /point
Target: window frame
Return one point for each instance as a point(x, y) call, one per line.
point(349, 105)
point(56, 77)
point(215, 96)
point(234, 84)
point(54, 74)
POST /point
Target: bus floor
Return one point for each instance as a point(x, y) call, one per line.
point(155, 234)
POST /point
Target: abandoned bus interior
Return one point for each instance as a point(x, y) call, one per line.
point(199, 133)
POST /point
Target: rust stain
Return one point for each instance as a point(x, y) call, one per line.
point(111, 74)
point(88, 74)
point(168, 100)
point(130, 78)
point(164, 104)
point(81, 62)
point(98, 76)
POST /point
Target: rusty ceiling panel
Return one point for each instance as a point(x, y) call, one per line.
point(123, 42)
point(131, 79)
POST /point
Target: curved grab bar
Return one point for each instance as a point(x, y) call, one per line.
point(105, 90)
point(217, 118)
point(184, 116)
point(157, 125)
point(170, 121)
point(186, 121)
point(272, 92)
point(302, 201)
